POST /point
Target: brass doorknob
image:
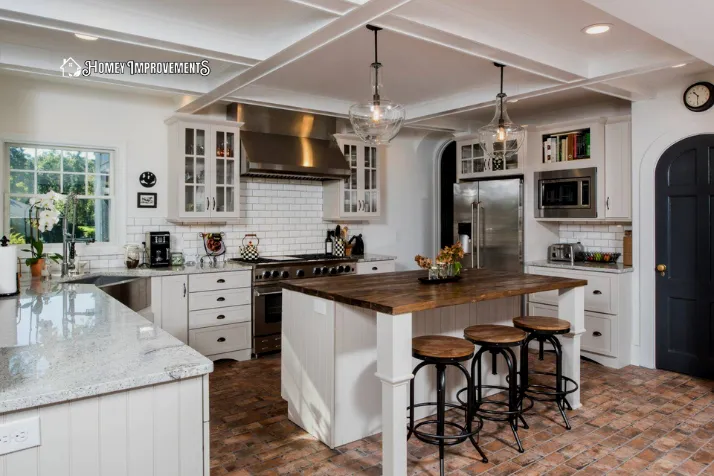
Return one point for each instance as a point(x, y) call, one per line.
point(661, 268)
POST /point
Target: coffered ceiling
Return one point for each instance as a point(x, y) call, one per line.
point(314, 54)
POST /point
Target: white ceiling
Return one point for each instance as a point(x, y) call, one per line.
point(315, 54)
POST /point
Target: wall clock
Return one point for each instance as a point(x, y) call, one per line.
point(699, 97)
point(147, 179)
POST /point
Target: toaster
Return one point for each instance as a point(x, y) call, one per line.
point(571, 252)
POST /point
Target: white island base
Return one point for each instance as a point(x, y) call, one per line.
point(346, 370)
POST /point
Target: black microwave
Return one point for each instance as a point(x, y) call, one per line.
point(566, 193)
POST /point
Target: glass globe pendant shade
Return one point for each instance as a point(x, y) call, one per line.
point(501, 139)
point(379, 120)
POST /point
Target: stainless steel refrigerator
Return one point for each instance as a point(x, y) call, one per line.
point(488, 220)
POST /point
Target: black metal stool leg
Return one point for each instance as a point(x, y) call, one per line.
point(524, 378)
point(411, 399)
point(470, 410)
point(559, 399)
point(513, 405)
point(441, 410)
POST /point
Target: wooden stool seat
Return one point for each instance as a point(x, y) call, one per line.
point(493, 334)
point(542, 324)
point(442, 347)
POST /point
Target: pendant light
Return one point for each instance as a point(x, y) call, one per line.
point(501, 138)
point(377, 121)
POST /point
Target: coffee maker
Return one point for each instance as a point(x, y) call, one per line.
point(158, 248)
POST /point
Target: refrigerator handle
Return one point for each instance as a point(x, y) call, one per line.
point(477, 246)
point(473, 236)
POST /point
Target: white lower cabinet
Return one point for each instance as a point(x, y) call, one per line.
point(211, 312)
point(608, 324)
point(375, 267)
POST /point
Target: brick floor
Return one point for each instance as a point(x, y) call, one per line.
point(633, 421)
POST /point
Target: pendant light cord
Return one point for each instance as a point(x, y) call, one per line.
point(376, 69)
point(500, 96)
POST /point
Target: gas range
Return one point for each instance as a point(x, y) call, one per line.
point(278, 268)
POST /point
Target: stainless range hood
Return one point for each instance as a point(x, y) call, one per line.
point(278, 143)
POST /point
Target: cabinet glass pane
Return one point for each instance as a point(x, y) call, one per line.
point(375, 199)
point(200, 142)
point(374, 180)
point(220, 144)
point(347, 204)
point(189, 199)
point(200, 170)
point(220, 171)
point(512, 162)
point(374, 157)
point(367, 177)
point(189, 141)
point(367, 154)
point(230, 171)
point(367, 202)
point(189, 176)
point(220, 199)
point(353, 199)
point(230, 199)
point(466, 166)
point(478, 151)
point(229, 144)
point(201, 204)
point(466, 152)
point(479, 165)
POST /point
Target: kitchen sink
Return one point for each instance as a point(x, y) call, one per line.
point(133, 292)
point(100, 281)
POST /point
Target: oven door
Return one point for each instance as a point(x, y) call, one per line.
point(267, 310)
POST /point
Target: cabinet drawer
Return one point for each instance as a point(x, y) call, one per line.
point(374, 267)
point(214, 299)
point(219, 316)
point(598, 335)
point(601, 294)
point(220, 339)
point(218, 281)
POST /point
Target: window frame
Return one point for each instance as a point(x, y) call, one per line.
point(117, 210)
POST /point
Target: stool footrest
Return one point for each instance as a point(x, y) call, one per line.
point(550, 393)
point(491, 415)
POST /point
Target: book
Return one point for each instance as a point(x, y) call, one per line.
point(587, 144)
point(547, 152)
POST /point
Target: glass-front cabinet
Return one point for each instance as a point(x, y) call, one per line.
point(207, 184)
point(473, 163)
point(358, 195)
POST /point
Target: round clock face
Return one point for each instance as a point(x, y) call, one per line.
point(147, 179)
point(698, 97)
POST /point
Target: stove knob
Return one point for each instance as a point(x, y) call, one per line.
point(266, 274)
point(285, 275)
point(333, 270)
point(340, 269)
point(316, 271)
point(348, 268)
point(275, 274)
point(325, 270)
point(300, 273)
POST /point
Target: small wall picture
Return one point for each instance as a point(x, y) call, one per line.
point(145, 200)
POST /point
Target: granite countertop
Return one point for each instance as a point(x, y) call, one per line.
point(151, 272)
point(401, 292)
point(373, 257)
point(617, 268)
point(61, 342)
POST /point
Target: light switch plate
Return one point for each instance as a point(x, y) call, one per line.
point(19, 435)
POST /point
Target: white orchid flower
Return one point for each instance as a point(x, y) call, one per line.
point(48, 219)
point(33, 201)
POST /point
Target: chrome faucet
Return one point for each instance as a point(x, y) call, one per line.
point(69, 239)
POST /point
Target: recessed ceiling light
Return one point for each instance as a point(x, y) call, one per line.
point(597, 29)
point(85, 37)
point(679, 65)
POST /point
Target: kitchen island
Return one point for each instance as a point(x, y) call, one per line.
point(98, 388)
point(338, 334)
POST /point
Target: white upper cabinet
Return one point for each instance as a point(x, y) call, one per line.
point(473, 163)
point(359, 195)
point(204, 170)
point(618, 170)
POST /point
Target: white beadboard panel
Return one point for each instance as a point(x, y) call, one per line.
point(150, 431)
point(113, 430)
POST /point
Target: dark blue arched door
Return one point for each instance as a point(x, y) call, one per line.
point(684, 234)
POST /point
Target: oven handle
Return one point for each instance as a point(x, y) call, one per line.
point(257, 293)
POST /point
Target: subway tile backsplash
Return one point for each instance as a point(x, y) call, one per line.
point(594, 236)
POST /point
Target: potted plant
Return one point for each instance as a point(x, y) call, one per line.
point(43, 216)
point(451, 256)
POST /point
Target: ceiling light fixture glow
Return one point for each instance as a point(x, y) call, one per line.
point(597, 29)
point(85, 37)
point(679, 65)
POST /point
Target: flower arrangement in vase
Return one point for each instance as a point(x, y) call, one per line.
point(447, 262)
point(43, 216)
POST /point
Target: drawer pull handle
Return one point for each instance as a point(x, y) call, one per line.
point(221, 281)
point(374, 268)
point(221, 299)
point(597, 291)
point(221, 339)
point(220, 316)
point(597, 334)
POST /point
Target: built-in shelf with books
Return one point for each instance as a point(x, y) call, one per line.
point(566, 146)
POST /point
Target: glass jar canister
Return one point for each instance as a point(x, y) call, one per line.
point(132, 255)
point(177, 258)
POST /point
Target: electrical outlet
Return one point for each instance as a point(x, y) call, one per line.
point(19, 435)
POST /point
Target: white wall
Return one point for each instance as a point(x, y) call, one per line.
point(656, 125)
point(65, 111)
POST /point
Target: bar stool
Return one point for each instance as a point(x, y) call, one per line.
point(498, 340)
point(443, 351)
point(545, 329)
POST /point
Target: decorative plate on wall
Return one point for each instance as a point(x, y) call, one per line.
point(147, 179)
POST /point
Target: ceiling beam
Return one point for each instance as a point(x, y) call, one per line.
point(338, 28)
point(336, 7)
point(69, 27)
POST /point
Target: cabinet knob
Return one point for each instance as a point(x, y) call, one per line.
point(597, 333)
point(220, 316)
point(221, 339)
point(221, 299)
point(221, 281)
point(597, 292)
point(374, 268)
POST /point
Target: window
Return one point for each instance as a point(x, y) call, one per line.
point(36, 170)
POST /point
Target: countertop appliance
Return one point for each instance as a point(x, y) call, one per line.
point(488, 218)
point(158, 248)
point(567, 252)
point(267, 294)
point(566, 193)
point(358, 247)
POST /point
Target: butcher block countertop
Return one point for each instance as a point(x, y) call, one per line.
point(401, 292)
